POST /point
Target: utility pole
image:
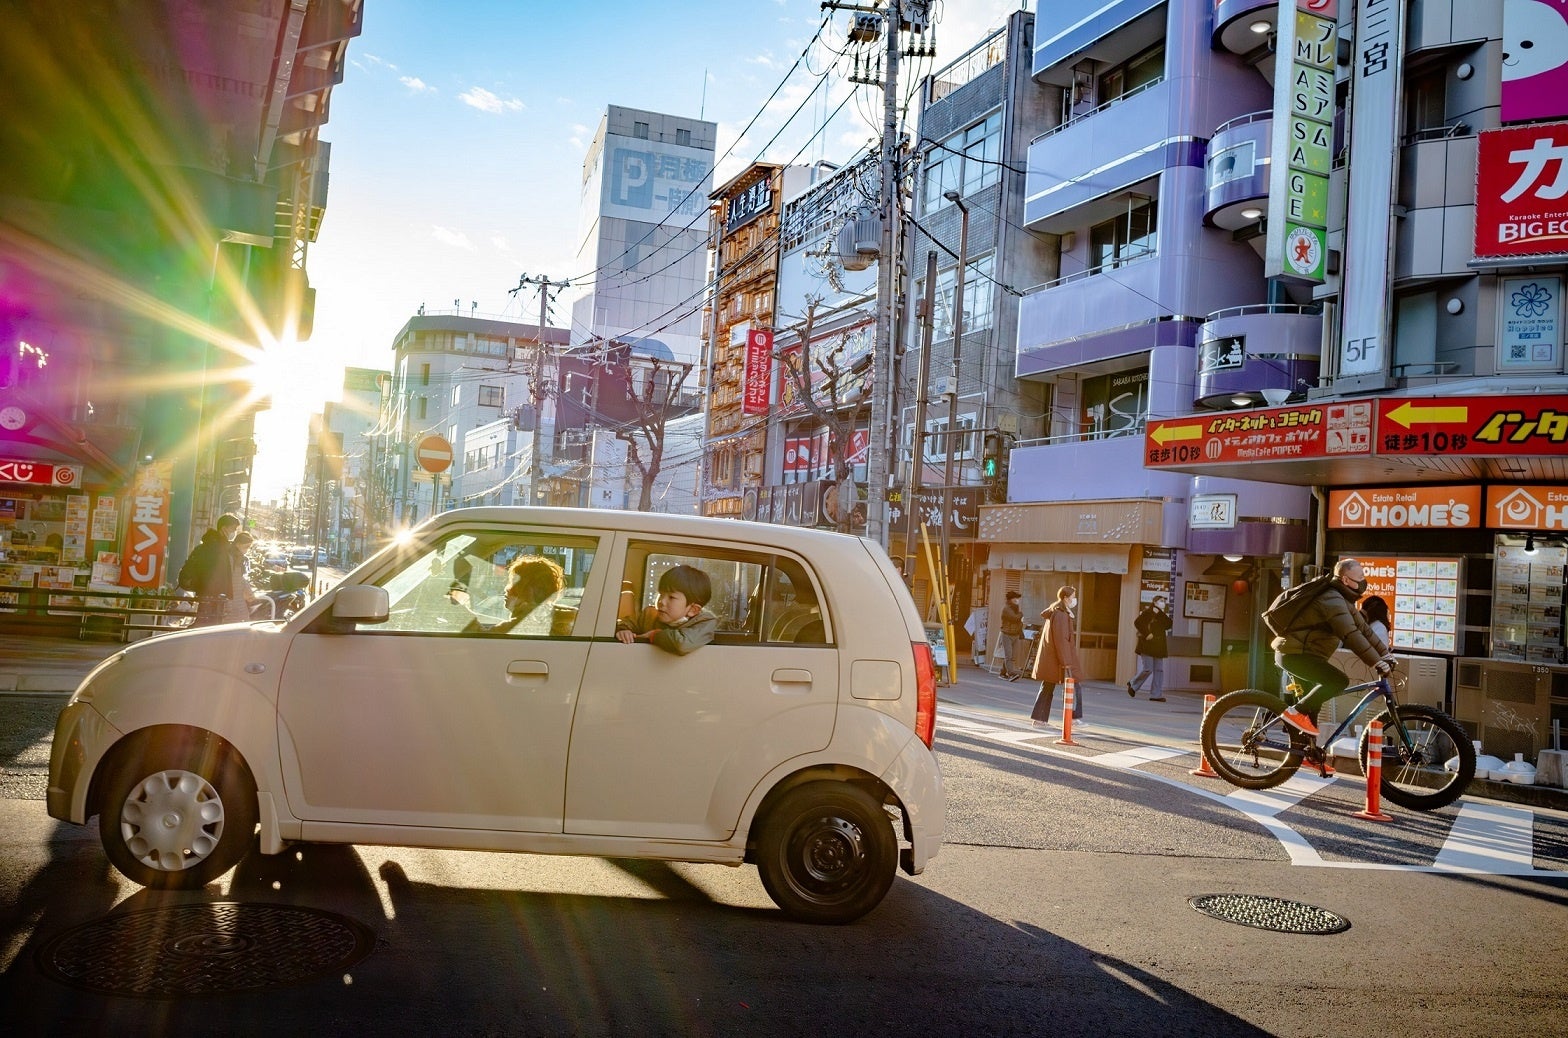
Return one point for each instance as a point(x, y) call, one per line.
point(537, 391)
point(887, 265)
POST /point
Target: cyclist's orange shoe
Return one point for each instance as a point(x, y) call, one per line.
point(1299, 721)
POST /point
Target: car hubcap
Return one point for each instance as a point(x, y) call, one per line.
point(172, 820)
point(832, 849)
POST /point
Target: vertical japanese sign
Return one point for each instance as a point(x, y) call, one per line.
point(1302, 152)
point(1535, 60)
point(757, 380)
point(147, 527)
point(1374, 127)
point(1521, 181)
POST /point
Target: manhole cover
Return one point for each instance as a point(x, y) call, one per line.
point(1269, 913)
point(206, 949)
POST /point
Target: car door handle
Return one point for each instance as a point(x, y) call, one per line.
point(785, 679)
point(528, 669)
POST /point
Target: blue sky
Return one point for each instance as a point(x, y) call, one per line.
point(458, 136)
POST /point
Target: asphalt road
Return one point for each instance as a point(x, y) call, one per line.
point(1058, 905)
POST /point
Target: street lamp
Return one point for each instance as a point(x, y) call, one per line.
point(952, 423)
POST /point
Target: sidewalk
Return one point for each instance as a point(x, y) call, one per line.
point(37, 663)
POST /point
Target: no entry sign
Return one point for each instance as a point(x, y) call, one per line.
point(434, 454)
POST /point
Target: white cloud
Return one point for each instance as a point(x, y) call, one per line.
point(500, 243)
point(454, 238)
point(485, 101)
point(417, 85)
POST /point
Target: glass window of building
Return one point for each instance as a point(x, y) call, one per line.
point(683, 137)
point(1123, 238)
point(1133, 75)
point(491, 396)
point(965, 162)
point(640, 130)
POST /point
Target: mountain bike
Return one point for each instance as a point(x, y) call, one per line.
point(1428, 760)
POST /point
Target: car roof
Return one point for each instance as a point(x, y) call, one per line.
point(739, 531)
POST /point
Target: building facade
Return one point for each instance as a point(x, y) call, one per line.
point(644, 230)
point(452, 374)
point(162, 177)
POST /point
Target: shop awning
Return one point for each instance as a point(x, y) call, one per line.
point(1060, 558)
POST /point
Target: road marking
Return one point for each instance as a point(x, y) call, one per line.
point(1489, 838)
point(1485, 838)
point(1139, 755)
point(1282, 797)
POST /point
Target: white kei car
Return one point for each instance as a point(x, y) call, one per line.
point(395, 710)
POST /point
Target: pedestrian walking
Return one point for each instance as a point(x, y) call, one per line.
point(979, 629)
point(1012, 633)
point(1152, 625)
point(209, 571)
point(1057, 656)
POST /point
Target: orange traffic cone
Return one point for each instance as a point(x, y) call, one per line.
point(1069, 701)
point(1374, 811)
point(1203, 770)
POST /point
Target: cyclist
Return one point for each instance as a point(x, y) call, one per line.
point(1326, 621)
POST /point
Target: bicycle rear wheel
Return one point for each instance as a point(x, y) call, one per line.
point(1247, 743)
point(1416, 775)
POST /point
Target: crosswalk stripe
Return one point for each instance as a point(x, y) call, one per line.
point(1286, 795)
point(1488, 838)
point(1139, 755)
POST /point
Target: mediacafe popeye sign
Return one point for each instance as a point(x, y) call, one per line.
point(1474, 426)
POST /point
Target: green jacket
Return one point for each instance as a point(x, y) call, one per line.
point(1328, 621)
point(685, 637)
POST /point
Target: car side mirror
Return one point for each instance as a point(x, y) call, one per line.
point(360, 604)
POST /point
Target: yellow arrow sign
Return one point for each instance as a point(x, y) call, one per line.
point(1166, 433)
point(1408, 414)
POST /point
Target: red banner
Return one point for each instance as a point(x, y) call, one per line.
point(757, 382)
point(1272, 434)
point(1520, 208)
point(1472, 426)
point(143, 559)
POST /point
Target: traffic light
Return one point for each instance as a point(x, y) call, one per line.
point(991, 459)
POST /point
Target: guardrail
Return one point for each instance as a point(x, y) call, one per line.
point(87, 613)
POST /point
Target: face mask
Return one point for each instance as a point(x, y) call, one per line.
point(1359, 587)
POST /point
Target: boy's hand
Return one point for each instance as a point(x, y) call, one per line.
point(626, 637)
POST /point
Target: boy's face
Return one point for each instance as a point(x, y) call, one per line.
point(673, 607)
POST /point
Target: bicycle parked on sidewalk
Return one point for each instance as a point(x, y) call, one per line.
point(1428, 760)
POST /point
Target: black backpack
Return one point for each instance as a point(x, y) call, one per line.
point(1281, 615)
point(193, 572)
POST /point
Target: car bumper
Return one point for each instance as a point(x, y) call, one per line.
point(917, 780)
point(81, 736)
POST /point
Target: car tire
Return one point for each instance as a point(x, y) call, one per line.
point(827, 852)
point(179, 809)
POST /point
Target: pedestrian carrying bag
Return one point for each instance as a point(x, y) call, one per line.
point(1281, 615)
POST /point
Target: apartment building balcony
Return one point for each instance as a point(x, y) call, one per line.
point(1245, 27)
point(1238, 171)
point(1100, 155)
point(1250, 356)
point(1088, 467)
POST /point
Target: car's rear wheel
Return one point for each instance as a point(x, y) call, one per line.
point(179, 810)
point(827, 853)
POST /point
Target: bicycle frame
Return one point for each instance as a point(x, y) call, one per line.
point(1377, 687)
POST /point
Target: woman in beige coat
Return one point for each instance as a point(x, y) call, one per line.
point(1058, 654)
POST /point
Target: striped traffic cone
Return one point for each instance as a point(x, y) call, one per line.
point(1374, 811)
point(1069, 701)
point(1203, 770)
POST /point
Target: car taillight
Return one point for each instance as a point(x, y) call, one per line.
point(925, 692)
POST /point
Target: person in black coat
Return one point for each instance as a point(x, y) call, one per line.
point(211, 568)
point(1152, 625)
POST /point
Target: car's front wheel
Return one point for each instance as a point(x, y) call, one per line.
point(179, 810)
point(827, 853)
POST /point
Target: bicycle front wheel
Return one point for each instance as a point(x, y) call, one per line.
point(1416, 772)
point(1246, 742)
